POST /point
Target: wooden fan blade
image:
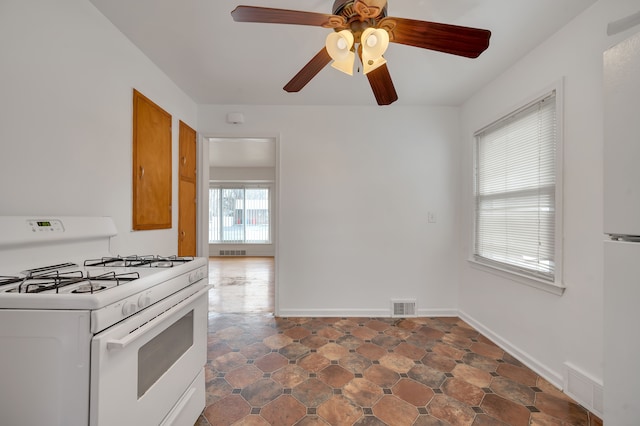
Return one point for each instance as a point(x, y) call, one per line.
point(309, 71)
point(285, 16)
point(453, 39)
point(382, 85)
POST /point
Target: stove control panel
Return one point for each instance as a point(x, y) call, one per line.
point(48, 225)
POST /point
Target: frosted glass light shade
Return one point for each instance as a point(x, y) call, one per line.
point(339, 46)
point(374, 43)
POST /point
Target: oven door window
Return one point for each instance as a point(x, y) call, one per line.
point(158, 355)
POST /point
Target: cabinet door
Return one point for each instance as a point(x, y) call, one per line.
point(187, 192)
point(187, 152)
point(151, 165)
point(187, 219)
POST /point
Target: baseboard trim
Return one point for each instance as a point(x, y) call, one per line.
point(356, 312)
point(539, 368)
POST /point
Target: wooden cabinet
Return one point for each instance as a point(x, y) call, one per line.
point(151, 165)
point(187, 192)
point(187, 152)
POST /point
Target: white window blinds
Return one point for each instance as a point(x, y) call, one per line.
point(515, 191)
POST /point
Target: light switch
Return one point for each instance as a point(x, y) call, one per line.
point(431, 216)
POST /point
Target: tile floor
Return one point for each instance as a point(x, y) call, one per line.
point(264, 370)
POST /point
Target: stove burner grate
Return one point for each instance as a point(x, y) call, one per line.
point(56, 280)
point(4, 280)
point(136, 261)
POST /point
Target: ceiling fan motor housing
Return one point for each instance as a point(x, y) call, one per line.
point(350, 10)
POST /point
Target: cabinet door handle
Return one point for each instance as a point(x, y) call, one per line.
point(141, 172)
point(184, 160)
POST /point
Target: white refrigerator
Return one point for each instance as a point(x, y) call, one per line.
point(622, 233)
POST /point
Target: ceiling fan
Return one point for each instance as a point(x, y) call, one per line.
point(365, 23)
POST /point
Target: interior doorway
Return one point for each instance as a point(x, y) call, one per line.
point(240, 219)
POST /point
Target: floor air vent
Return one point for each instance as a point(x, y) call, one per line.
point(403, 308)
point(233, 252)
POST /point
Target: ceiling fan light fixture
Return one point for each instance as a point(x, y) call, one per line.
point(374, 43)
point(339, 46)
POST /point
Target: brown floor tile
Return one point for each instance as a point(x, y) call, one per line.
point(271, 362)
point(339, 411)
point(463, 391)
point(314, 362)
point(335, 376)
point(227, 410)
point(427, 375)
point(489, 351)
point(310, 420)
point(448, 351)
point(314, 341)
point(294, 351)
point(398, 363)
point(297, 333)
point(410, 351)
point(363, 392)
point(364, 333)
point(473, 375)
point(429, 420)
point(480, 362)
point(382, 376)
point(439, 362)
point(261, 392)
point(394, 411)
point(502, 409)
point(413, 392)
point(485, 420)
point(284, 411)
point(290, 376)
point(377, 325)
point(371, 351)
point(243, 376)
point(229, 361)
point(255, 350)
point(355, 363)
point(312, 392)
point(562, 409)
point(513, 391)
point(519, 374)
point(277, 341)
point(451, 410)
point(333, 351)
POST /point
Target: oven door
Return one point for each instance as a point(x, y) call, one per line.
point(147, 369)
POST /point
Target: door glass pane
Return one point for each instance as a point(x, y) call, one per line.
point(233, 215)
point(257, 214)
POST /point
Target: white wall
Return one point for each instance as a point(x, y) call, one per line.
point(66, 80)
point(548, 329)
point(355, 186)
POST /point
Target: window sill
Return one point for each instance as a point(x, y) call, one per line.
point(549, 287)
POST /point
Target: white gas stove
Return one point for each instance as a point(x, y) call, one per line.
point(87, 337)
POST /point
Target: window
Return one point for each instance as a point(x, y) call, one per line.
point(239, 215)
point(516, 197)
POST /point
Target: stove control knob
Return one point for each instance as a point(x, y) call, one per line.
point(129, 308)
point(144, 301)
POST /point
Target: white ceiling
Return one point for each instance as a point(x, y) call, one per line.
point(218, 61)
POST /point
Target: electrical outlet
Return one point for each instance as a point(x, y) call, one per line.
point(431, 217)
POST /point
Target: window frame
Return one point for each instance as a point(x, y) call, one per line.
point(244, 186)
point(514, 274)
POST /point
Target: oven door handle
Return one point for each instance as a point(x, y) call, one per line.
point(118, 344)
